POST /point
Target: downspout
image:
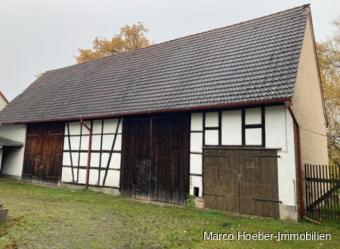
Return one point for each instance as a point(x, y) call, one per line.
point(299, 162)
point(88, 152)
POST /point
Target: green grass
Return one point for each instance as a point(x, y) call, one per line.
point(45, 217)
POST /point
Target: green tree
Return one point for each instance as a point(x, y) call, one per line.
point(129, 38)
point(329, 62)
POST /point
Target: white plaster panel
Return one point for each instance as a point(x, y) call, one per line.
point(115, 161)
point(102, 175)
point(66, 174)
point(97, 127)
point(112, 179)
point(195, 163)
point(118, 143)
point(110, 125)
point(96, 140)
point(105, 158)
point(66, 146)
point(253, 116)
point(74, 128)
point(232, 127)
point(196, 121)
point(84, 142)
point(74, 142)
point(93, 178)
point(254, 136)
point(276, 131)
point(82, 176)
point(196, 140)
point(83, 159)
point(211, 137)
point(12, 162)
point(107, 142)
point(196, 181)
point(67, 159)
point(120, 128)
point(211, 119)
point(85, 131)
point(95, 159)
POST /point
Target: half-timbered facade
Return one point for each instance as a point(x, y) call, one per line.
point(212, 115)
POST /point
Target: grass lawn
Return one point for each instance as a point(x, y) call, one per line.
point(44, 217)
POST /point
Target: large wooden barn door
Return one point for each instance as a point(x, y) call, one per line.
point(43, 152)
point(241, 181)
point(136, 158)
point(155, 158)
point(170, 149)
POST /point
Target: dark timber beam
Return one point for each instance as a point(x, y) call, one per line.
point(88, 153)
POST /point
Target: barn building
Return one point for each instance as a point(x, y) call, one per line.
point(6, 144)
point(228, 116)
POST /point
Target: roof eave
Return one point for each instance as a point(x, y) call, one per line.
point(170, 110)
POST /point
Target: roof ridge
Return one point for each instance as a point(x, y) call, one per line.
point(183, 37)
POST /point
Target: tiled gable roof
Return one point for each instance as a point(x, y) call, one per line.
point(248, 62)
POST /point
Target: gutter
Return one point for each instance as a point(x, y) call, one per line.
point(299, 162)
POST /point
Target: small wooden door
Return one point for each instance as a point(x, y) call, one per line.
point(241, 181)
point(258, 182)
point(43, 151)
point(221, 180)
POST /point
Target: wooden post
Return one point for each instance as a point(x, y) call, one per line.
point(88, 153)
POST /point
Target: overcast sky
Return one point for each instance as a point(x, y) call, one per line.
point(39, 35)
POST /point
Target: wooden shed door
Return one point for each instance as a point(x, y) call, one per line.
point(43, 151)
point(155, 158)
point(241, 180)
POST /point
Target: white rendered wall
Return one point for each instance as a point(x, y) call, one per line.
point(280, 134)
point(12, 163)
point(231, 127)
point(105, 159)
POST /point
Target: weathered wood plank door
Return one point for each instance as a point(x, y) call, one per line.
point(258, 182)
point(43, 151)
point(136, 158)
point(241, 181)
point(221, 180)
point(170, 155)
point(155, 157)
